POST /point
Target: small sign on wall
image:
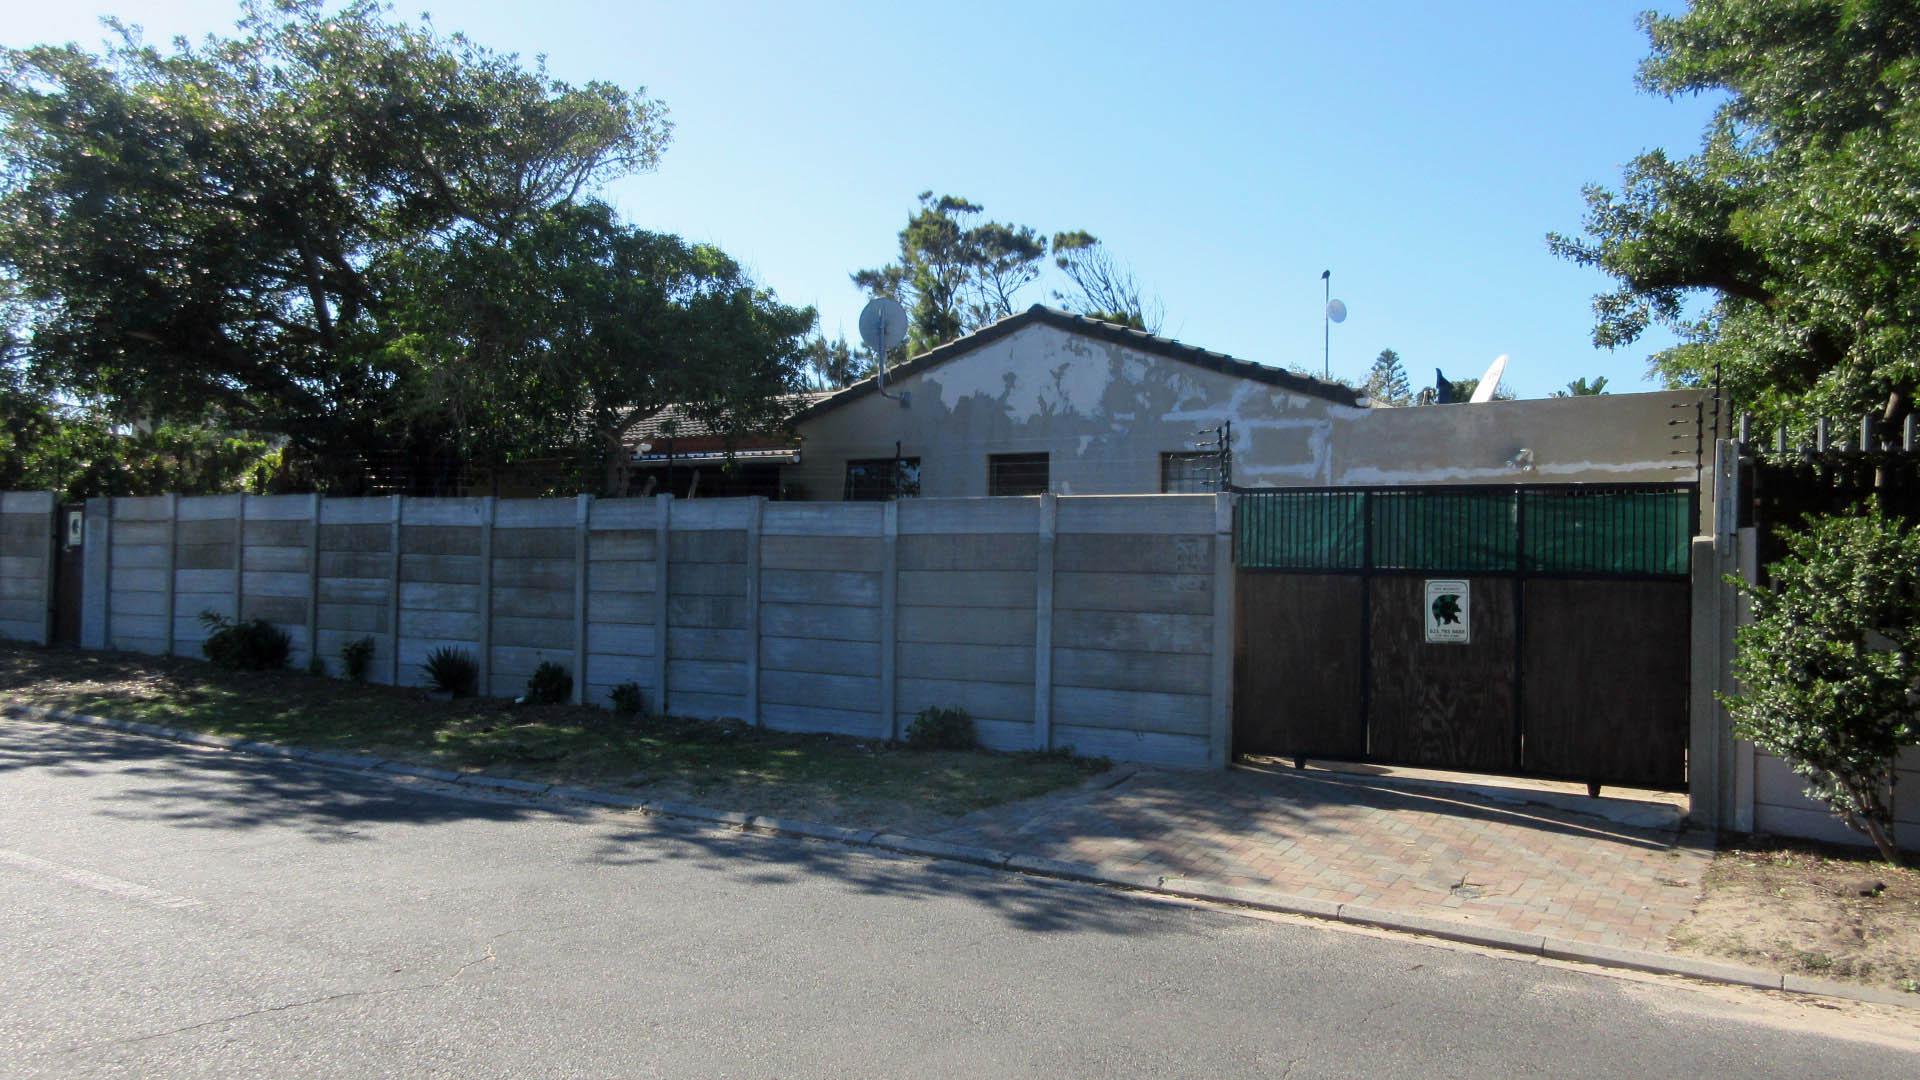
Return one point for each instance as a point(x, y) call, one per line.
point(1448, 612)
point(76, 527)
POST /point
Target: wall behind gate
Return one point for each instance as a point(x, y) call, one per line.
point(1099, 622)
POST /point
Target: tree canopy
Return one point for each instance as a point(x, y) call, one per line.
point(1387, 382)
point(958, 271)
point(1783, 252)
point(355, 235)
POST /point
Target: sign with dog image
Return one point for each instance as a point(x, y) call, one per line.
point(1449, 611)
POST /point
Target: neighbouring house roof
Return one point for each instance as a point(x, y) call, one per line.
point(1138, 340)
point(675, 430)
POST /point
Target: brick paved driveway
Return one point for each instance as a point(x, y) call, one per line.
point(1443, 854)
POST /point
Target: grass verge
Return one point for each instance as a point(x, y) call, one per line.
point(1822, 910)
point(722, 763)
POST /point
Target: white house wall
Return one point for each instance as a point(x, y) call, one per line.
point(1105, 413)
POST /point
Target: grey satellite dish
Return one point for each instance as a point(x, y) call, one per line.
point(1337, 310)
point(883, 326)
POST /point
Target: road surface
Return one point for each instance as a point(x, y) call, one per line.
point(178, 912)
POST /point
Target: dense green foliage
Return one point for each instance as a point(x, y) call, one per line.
point(1783, 251)
point(941, 729)
point(627, 699)
point(452, 671)
point(354, 236)
point(1387, 382)
point(957, 272)
point(1580, 387)
point(249, 645)
point(550, 684)
point(1830, 665)
point(356, 659)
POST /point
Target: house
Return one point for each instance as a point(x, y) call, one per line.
point(675, 451)
point(1046, 400)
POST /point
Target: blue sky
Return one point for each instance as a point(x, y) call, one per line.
point(1228, 153)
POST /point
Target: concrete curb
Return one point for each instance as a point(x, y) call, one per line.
point(1538, 945)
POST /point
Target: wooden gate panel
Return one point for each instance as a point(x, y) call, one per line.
point(1604, 664)
point(1298, 658)
point(1446, 706)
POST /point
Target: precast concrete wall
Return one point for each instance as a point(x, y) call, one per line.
point(1100, 623)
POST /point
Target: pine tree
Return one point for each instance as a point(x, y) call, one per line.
point(1387, 383)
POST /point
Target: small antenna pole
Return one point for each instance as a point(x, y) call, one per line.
point(1326, 323)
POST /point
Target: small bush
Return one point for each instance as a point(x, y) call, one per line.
point(549, 685)
point(941, 729)
point(356, 658)
point(317, 665)
point(1828, 666)
point(628, 699)
point(253, 645)
point(452, 671)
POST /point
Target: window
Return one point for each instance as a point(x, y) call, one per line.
point(884, 478)
point(1189, 473)
point(1016, 474)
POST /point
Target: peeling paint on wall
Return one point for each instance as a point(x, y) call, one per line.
point(1106, 413)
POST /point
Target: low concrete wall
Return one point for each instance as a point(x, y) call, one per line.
point(1099, 623)
point(26, 565)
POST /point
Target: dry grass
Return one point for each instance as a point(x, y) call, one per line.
point(1827, 911)
point(725, 764)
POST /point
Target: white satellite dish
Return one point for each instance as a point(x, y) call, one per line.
point(1490, 382)
point(1337, 310)
point(883, 324)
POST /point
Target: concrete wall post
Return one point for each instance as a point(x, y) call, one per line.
point(889, 619)
point(1220, 734)
point(662, 567)
point(583, 513)
point(173, 555)
point(756, 507)
point(393, 588)
point(1043, 624)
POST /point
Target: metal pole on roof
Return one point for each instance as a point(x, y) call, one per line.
point(1326, 323)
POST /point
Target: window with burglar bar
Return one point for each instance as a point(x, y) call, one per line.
point(1189, 473)
point(1017, 474)
point(880, 479)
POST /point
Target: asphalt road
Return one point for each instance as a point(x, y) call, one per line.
point(176, 912)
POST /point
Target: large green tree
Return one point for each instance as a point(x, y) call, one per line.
point(1100, 287)
point(357, 235)
point(1783, 252)
point(554, 341)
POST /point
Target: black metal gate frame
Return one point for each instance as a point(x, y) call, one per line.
point(1518, 574)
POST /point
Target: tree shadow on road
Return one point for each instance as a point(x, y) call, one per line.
point(210, 789)
point(192, 788)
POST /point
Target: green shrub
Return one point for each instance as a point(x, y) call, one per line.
point(1829, 665)
point(549, 685)
point(941, 729)
point(628, 699)
point(253, 645)
point(356, 658)
point(452, 671)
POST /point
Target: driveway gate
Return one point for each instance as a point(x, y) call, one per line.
point(1540, 630)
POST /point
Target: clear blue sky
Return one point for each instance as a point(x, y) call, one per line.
point(1421, 151)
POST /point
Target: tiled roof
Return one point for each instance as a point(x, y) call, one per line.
point(684, 425)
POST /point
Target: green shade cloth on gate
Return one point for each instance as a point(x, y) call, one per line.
point(1589, 531)
point(1303, 530)
point(1619, 532)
